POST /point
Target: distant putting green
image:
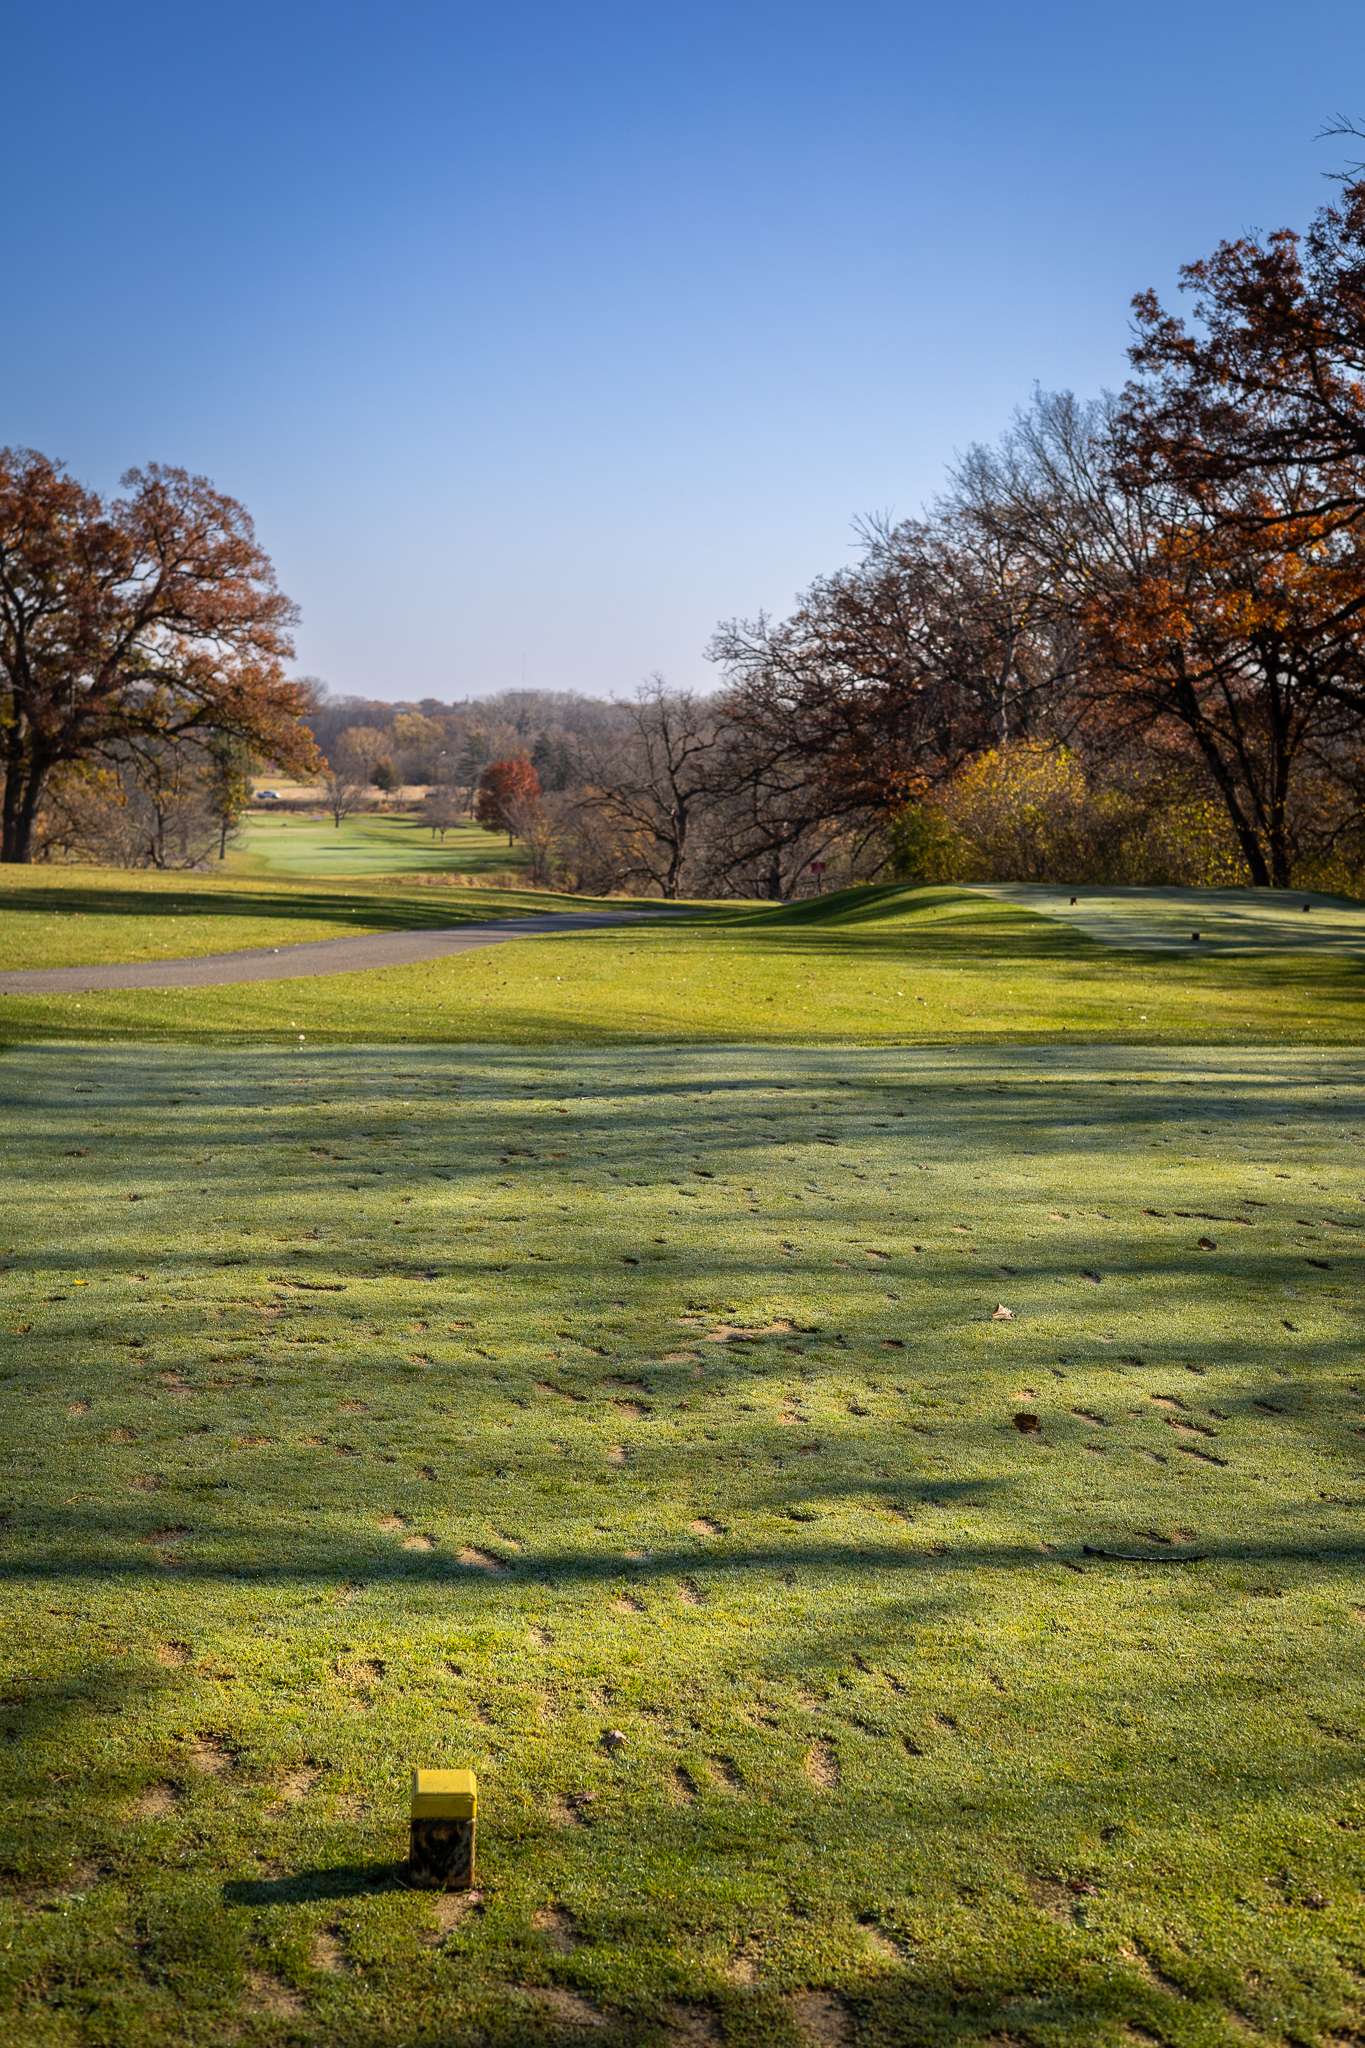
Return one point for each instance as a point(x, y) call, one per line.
point(942, 1469)
point(285, 843)
point(1225, 920)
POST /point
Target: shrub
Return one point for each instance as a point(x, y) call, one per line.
point(927, 847)
point(1027, 813)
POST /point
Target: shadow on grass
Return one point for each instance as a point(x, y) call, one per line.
point(399, 908)
point(334, 1881)
point(71, 1546)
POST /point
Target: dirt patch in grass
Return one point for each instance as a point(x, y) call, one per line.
point(822, 1766)
point(158, 1802)
point(692, 2026)
point(682, 1789)
point(555, 1925)
point(569, 2008)
point(476, 1560)
point(327, 1952)
point(212, 1755)
point(272, 1996)
point(821, 2019)
point(297, 1782)
point(884, 1947)
point(449, 1911)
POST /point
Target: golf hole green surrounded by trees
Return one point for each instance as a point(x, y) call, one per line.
point(1124, 644)
point(844, 1405)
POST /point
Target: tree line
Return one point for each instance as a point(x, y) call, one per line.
point(1126, 642)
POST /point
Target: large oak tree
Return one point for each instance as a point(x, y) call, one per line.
point(152, 618)
point(1267, 374)
point(1220, 620)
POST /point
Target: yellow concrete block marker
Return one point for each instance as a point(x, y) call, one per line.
point(445, 1807)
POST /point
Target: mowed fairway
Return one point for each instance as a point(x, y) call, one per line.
point(1225, 920)
point(374, 1406)
point(367, 843)
point(888, 965)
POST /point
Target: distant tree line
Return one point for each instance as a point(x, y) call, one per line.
point(1129, 640)
point(430, 743)
point(1126, 643)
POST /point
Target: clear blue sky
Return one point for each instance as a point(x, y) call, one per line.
point(539, 337)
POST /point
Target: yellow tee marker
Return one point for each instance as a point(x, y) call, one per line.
point(444, 1810)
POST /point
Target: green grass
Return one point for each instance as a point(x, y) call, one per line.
point(1244, 920)
point(375, 1406)
point(889, 966)
point(280, 843)
point(601, 1333)
point(80, 917)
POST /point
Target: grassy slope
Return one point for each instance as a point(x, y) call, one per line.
point(339, 1447)
point(376, 1407)
point(287, 844)
point(891, 966)
point(76, 917)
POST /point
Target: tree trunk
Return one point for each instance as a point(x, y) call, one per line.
point(9, 810)
point(1252, 850)
point(1277, 820)
point(22, 794)
point(1191, 715)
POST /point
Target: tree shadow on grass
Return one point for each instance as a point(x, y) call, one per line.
point(397, 908)
point(71, 1545)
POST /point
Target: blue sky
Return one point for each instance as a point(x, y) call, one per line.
point(538, 338)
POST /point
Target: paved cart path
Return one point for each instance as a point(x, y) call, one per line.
point(318, 956)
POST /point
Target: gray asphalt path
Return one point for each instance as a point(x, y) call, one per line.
point(322, 956)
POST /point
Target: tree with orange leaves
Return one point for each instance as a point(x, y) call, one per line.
point(1244, 638)
point(1268, 374)
point(1220, 626)
point(1247, 427)
point(152, 619)
point(506, 792)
